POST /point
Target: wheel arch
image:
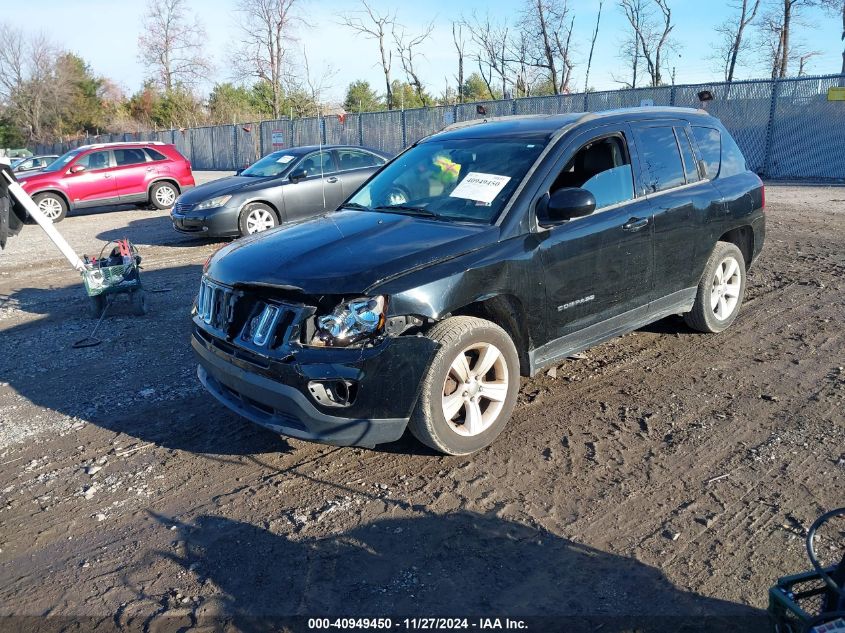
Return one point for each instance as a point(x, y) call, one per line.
point(273, 207)
point(167, 179)
point(508, 312)
point(743, 238)
point(58, 192)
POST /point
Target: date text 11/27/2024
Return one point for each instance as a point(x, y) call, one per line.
point(413, 624)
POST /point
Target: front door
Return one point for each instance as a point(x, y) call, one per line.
point(598, 268)
point(93, 184)
point(320, 191)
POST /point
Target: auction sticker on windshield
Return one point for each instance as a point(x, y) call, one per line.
point(284, 160)
point(480, 187)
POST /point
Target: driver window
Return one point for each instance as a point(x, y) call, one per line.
point(602, 167)
point(94, 161)
point(311, 163)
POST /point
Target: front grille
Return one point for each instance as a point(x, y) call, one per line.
point(216, 304)
point(181, 207)
point(249, 320)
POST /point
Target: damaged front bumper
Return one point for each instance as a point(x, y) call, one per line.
point(297, 395)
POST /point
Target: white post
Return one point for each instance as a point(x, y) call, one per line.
point(45, 223)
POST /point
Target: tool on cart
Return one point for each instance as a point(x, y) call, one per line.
point(103, 277)
point(812, 602)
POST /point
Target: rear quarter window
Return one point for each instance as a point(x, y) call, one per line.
point(720, 153)
point(155, 154)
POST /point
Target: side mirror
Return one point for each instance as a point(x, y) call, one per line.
point(297, 175)
point(77, 168)
point(565, 204)
point(238, 171)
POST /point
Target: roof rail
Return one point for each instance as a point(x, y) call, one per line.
point(113, 143)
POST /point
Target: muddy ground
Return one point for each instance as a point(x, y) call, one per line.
point(666, 473)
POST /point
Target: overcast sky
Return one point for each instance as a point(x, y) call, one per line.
point(105, 33)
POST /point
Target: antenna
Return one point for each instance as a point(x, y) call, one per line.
point(320, 154)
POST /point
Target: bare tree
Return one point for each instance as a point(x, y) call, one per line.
point(733, 32)
point(405, 46)
point(30, 86)
point(460, 48)
point(548, 24)
point(777, 42)
point(491, 50)
point(803, 59)
point(630, 46)
point(651, 35)
point(592, 47)
point(171, 45)
point(376, 26)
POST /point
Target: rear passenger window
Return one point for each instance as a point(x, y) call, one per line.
point(661, 163)
point(129, 156)
point(154, 155)
point(709, 148)
point(357, 159)
point(690, 168)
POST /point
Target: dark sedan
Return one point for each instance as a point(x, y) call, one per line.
point(288, 185)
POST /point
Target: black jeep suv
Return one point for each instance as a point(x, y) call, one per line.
point(484, 252)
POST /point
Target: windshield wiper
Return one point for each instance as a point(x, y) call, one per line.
point(355, 205)
point(398, 208)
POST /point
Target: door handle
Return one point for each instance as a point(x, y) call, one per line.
point(635, 224)
point(331, 179)
point(149, 168)
point(106, 175)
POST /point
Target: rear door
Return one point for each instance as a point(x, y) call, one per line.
point(680, 197)
point(320, 191)
point(354, 167)
point(94, 184)
point(132, 173)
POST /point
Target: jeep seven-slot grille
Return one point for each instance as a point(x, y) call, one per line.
point(248, 320)
point(215, 305)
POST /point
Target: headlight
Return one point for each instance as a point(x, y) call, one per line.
point(213, 203)
point(351, 322)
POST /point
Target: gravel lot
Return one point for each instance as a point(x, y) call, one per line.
point(667, 473)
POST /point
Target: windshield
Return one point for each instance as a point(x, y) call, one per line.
point(466, 180)
point(274, 164)
point(62, 160)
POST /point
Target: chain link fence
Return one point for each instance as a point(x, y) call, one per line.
point(787, 128)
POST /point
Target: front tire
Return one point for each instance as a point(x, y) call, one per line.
point(470, 389)
point(163, 195)
point(720, 290)
point(257, 218)
point(51, 205)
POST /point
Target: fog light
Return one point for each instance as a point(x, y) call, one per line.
point(333, 393)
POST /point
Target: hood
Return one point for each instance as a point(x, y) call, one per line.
point(344, 252)
point(222, 186)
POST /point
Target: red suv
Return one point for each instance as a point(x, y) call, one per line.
point(110, 173)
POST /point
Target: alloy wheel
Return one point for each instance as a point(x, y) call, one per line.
point(724, 293)
point(50, 207)
point(259, 220)
point(475, 389)
point(165, 196)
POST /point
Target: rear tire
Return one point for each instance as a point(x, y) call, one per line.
point(474, 379)
point(52, 205)
point(163, 195)
point(257, 217)
point(720, 290)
